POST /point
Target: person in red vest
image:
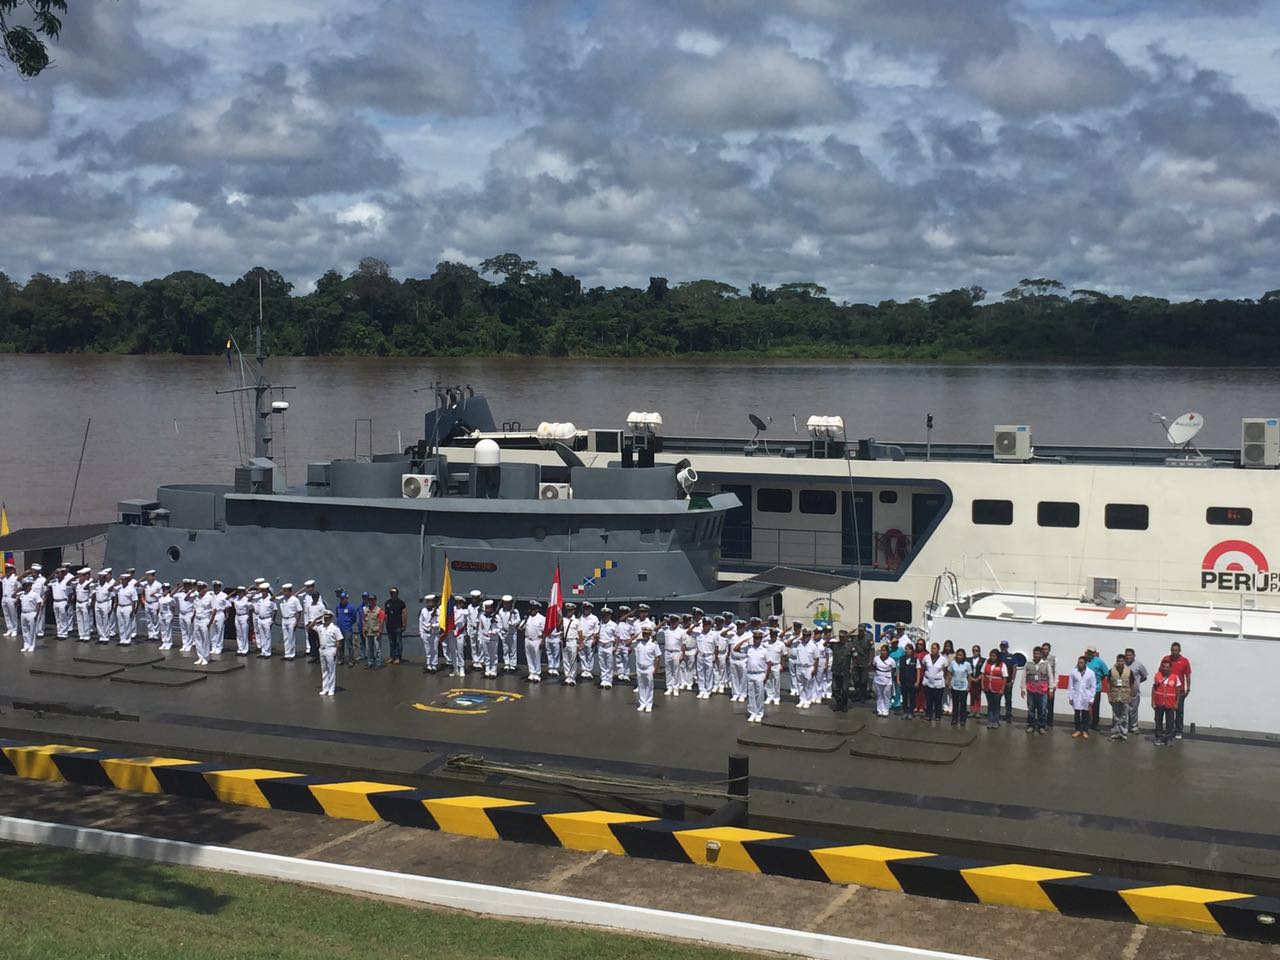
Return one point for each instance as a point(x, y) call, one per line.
point(1182, 667)
point(1167, 691)
point(995, 676)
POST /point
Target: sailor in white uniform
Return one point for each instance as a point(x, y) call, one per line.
point(312, 606)
point(606, 642)
point(692, 623)
point(151, 590)
point(104, 598)
point(186, 598)
point(552, 643)
point(242, 611)
point(126, 610)
point(720, 673)
point(704, 657)
point(777, 650)
point(264, 615)
point(759, 668)
point(30, 611)
point(572, 637)
point(533, 627)
point(738, 663)
point(203, 617)
point(429, 632)
point(673, 652)
point(60, 593)
point(508, 618)
point(9, 588)
point(587, 641)
point(218, 634)
point(626, 636)
point(328, 636)
point(456, 641)
point(291, 621)
point(40, 584)
point(490, 635)
point(84, 604)
point(475, 644)
point(647, 652)
point(164, 616)
point(805, 667)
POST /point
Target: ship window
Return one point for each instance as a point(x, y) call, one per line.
point(1057, 513)
point(1127, 516)
point(818, 501)
point(174, 554)
point(1229, 516)
point(773, 500)
point(888, 496)
point(998, 513)
point(891, 611)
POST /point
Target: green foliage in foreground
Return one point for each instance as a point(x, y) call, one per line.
point(59, 904)
point(509, 307)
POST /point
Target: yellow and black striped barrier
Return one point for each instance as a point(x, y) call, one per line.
point(754, 851)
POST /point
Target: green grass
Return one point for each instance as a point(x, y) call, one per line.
point(58, 904)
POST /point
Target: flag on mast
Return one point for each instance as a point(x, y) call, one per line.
point(4, 531)
point(555, 606)
point(446, 600)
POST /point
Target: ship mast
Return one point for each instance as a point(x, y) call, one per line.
point(263, 406)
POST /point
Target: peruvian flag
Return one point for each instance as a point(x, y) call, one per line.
point(555, 606)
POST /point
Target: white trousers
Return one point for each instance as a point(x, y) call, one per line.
point(164, 630)
point(242, 634)
point(491, 644)
point(533, 656)
point(644, 686)
point(755, 694)
point(884, 696)
point(328, 669)
point(84, 619)
point(570, 660)
point(704, 673)
point(187, 630)
point(11, 621)
point(738, 678)
point(802, 684)
point(457, 654)
point(262, 633)
point(622, 662)
point(217, 634)
point(291, 640)
point(553, 654)
point(606, 666)
point(127, 624)
point(586, 660)
point(686, 673)
point(720, 672)
point(773, 686)
point(152, 611)
point(105, 621)
point(672, 678)
point(30, 628)
point(200, 637)
point(509, 659)
point(475, 647)
point(431, 649)
point(62, 610)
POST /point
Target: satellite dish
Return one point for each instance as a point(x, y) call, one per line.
point(1183, 430)
point(756, 422)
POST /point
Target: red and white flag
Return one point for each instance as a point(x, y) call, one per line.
point(555, 606)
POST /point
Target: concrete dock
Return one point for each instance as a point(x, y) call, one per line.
point(1196, 813)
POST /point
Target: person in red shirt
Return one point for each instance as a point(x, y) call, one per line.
point(1166, 694)
point(1181, 666)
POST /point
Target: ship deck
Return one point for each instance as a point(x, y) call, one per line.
point(1200, 812)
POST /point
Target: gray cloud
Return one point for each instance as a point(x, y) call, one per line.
point(103, 52)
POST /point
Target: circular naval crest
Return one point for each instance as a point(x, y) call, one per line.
point(467, 701)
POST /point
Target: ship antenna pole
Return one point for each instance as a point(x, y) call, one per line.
point(261, 392)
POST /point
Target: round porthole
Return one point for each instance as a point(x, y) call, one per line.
point(539, 533)
point(174, 554)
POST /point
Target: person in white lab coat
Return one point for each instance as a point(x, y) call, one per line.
point(1082, 684)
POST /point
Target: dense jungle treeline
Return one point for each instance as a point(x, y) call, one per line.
point(508, 306)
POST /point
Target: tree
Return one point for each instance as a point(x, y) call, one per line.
point(23, 46)
point(509, 266)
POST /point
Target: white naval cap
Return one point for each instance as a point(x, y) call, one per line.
point(429, 596)
point(28, 580)
point(309, 583)
point(508, 598)
point(83, 570)
point(487, 603)
point(286, 586)
point(259, 579)
point(476, 593)
point(201, 583)
point(149, 573)
point(36, 567)
point(264, 586)
point(166, 584)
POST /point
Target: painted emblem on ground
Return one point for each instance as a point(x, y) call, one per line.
point(467, 701)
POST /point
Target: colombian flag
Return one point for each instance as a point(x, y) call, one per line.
point(446, 600)
point(4, 531)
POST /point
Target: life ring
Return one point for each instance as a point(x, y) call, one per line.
point(893, 547)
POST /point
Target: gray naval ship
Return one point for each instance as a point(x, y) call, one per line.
point(627, 531)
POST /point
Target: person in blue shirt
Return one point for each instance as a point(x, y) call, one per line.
point(896, 653)
point(1100, 669)
point(344, 618)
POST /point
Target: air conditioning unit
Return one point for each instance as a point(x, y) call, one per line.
point(553, 491)
point(418, 486)
point(1260, 442)
point(1013, 443)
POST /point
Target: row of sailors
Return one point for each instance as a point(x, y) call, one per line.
point(715, 654)
point(109, 608)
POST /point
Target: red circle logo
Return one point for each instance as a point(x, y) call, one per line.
point(1235, 555)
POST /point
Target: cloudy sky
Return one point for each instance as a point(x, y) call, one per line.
point(885, 148)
